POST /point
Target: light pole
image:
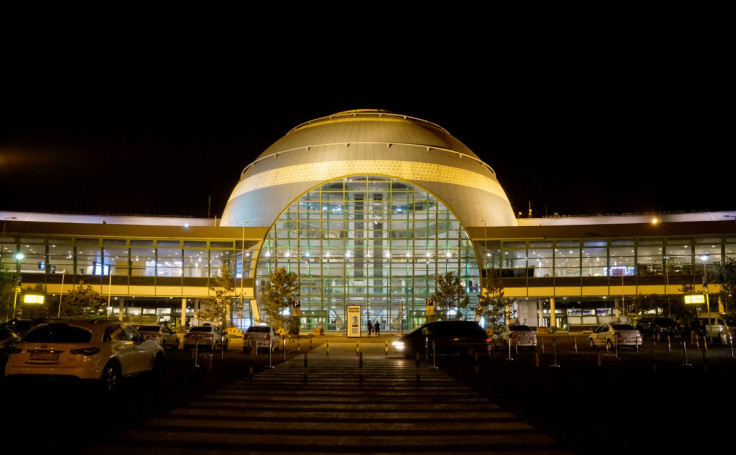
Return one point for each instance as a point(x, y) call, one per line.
point(704, 258)
point(242, 278)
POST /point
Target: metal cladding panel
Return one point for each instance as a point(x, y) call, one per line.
point(368, 143)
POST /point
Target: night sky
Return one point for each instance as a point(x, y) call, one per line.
point(100, 123)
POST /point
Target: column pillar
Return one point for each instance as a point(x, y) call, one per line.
point(183, 321)
point(552, 317)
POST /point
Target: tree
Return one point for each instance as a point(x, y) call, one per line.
point(217, 308)
point(7, 288)
point(492, 305)
point(449, 294)
point(725, 275)
point(277, 294)
point(83, 301)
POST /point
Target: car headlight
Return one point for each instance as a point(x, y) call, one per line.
point(398, 345)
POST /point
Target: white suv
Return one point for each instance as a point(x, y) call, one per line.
point(97, 349)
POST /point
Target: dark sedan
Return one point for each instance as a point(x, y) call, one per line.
point(445, 337)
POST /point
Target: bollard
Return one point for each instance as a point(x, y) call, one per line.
point(305, 366)
point(434, 354)
point(705, 361)
point(386, 348)
point(669, 344)
point(284, 350)
point(297, 343)
point(310, 343)
point(730, 342)
point(360, 367)
point(475, 369)
point(250, 369)
point(684, 352)
point(328, 347)
point(554, 350)
point(576, 344)
point(270, 352)
point(417, 362)
point(508, 348)
point(654, 361)
point(357, 348)
point(542, 345)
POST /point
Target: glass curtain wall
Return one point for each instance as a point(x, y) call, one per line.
point(371, 241)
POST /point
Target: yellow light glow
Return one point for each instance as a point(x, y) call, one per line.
point(695, 299)
point(33, 299)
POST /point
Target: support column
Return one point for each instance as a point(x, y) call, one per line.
point(183, 321)
point(552, 317)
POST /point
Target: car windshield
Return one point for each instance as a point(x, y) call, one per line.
point(58, 333)
point(149, 328)
point(201, 329)
point(519, 328)
point(258, 329)
point(665, 322)
point(622, 327)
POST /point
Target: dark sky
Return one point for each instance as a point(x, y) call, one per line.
point(573, 124)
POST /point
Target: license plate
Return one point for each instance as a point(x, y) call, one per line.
point(45, 356)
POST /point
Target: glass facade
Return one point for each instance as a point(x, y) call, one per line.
point(607, 257)
point(371, 241)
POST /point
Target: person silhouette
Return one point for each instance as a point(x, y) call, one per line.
point(370, 328)
point(377, 327)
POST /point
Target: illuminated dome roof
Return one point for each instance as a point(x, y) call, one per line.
point(368, 142)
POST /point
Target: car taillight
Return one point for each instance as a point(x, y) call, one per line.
point(616, 334)
point(85, 351)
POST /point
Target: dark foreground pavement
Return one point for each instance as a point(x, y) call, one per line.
point(337, 398)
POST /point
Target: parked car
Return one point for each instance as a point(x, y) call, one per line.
point(720, 326)
point(519, 335)
point(205, 337)
point(445, 337)
point(659, 328)
point(100, 349)
point(615, 334)
point(263, 337)
point(22, 326)
point(162, 334)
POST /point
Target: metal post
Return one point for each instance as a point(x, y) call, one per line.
point(554, 349)
point(684, 352)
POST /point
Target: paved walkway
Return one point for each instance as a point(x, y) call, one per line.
point(333, 400)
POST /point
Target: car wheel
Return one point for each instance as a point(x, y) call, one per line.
point(609, 345)
point(592, 343)
point(110, 380)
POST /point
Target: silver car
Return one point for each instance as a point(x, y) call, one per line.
point(99, 349)
point(162, 334)
point(615, 334)
point(263, 337)
point(519, 336)
point(205, 337)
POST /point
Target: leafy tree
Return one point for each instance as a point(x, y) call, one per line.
point(725, 275)
point(83, 301)
point(278, 294)
point(7, 285)
point(217, 307)
point(449, 294)
point(492, 305)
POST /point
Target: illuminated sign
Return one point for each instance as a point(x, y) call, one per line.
point(695, 299)
point(430, 307)
point(33, 299)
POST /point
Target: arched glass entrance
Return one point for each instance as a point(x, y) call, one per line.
point(372, 241)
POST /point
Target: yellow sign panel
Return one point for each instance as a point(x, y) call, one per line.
point(33, 299)
point(430, 307)
point(695, 299)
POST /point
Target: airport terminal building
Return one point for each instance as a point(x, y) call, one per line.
point(368, 207)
